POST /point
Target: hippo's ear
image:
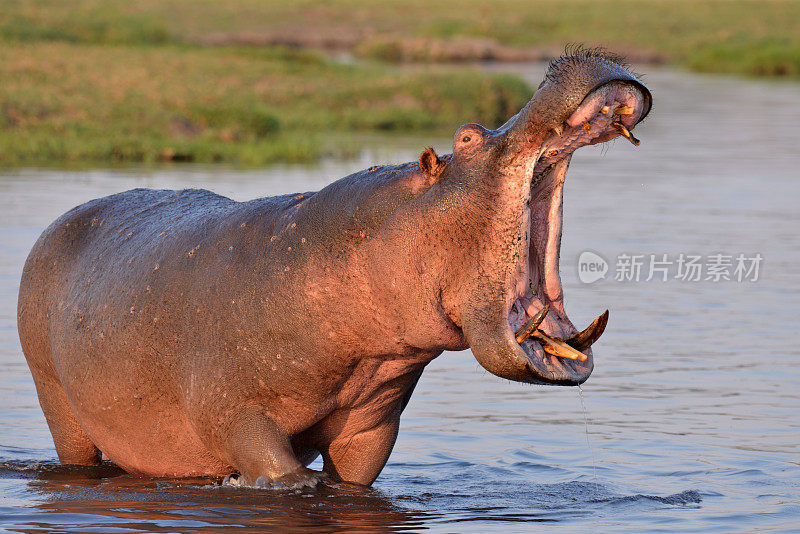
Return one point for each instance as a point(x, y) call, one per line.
point(430, 163)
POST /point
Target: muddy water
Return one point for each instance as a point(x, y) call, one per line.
point(693, 409)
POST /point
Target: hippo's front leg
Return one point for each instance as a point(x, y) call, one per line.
point(359, 454)
point(355, 443)
point(263, 455)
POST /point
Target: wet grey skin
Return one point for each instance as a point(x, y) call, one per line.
point(182, 333)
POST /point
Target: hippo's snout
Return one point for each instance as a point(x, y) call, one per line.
point(611, 110)
point(571, 83)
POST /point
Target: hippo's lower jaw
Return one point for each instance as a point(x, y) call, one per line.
point(555, 351)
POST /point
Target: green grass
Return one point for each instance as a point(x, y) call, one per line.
point(755, 37)
point(80, 102)
point(767, 56)
point(115, 81)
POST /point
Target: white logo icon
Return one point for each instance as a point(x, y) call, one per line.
point(591, 267)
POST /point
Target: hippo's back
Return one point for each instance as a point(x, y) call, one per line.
point(91, 256)
point(75, 259)
point(105, 302)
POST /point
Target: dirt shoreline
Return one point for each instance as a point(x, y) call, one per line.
point(408, 49)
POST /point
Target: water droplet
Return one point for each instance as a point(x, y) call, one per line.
point(589, 443)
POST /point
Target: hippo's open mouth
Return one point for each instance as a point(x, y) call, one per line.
point(556, 351)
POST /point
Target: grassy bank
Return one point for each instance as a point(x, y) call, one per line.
point(81, 102)
point(756, 37)
point(99, 81)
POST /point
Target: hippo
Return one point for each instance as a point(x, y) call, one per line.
point(181, 333)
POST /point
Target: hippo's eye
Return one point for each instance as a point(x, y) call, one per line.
point(466, 139)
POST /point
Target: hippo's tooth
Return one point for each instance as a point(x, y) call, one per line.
point(530, 327)
point(604, 110)
point(585, 339)
point(623, 110)
point(625, 133)
point(557, 347)
point(559, 130)
point(587, 127)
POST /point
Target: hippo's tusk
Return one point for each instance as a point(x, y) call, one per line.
point(626, 133)
point(551, 345)
point(530, 327)
point(557, 347)
point(623, 110)
point(604, 110)
point(585, 339)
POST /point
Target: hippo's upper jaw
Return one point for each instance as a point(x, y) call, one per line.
point(585, 99)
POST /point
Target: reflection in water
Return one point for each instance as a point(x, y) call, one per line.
point(105, 498)
point(108, 499)
point(693, 406)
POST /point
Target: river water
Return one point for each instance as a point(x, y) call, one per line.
point(693, 410)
